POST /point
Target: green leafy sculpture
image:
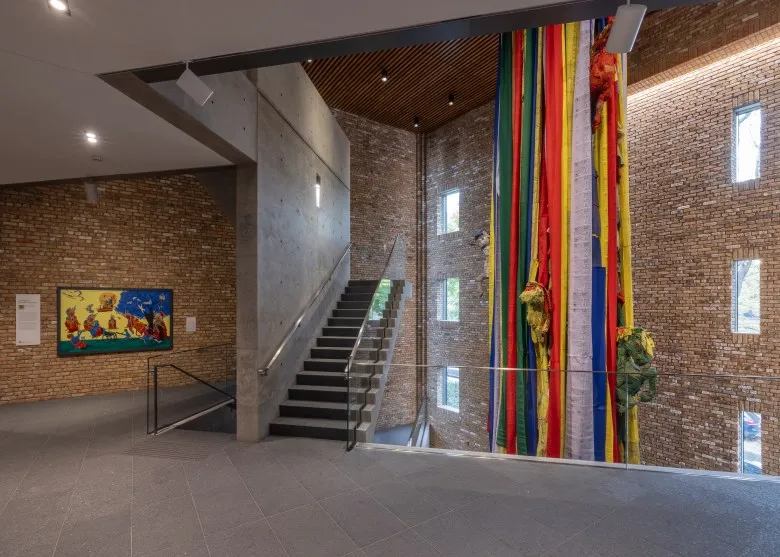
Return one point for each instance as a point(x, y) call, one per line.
point(637, 379)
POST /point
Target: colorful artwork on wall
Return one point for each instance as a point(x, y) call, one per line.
point(111, 320)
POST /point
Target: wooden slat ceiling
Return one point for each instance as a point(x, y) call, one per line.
point(420, 80)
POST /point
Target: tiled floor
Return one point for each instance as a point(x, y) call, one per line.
point(80, 478)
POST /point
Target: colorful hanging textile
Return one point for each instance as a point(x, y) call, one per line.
point(560, 254)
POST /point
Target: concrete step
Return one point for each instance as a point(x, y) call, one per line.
point(360, 288)
point(320, 393)
point(345, 321)
point(330, 379)
point(372, 283)
point(341, 342)
point(357, 297)
point(308, 427)
point(331, 353)
point(318, 410)
point(362, 304)
point(340, 331)
point(326, 364)
point(358, 313)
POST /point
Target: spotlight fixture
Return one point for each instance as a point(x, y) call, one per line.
point(451, 100)
point(317, 191)
point(625, 27)
point(91, 192)
point(194, 86)
point(60, 6)
point(309, 61)
point(416, 122)
point(383, 76)
point(91, 137)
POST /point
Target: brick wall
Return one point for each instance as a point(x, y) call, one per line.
point(459, 156)
point(689, 223)
point(383, 162)
point(674, 37)
point(153, 232)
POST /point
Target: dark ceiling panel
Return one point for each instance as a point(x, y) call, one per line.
point(420, 80)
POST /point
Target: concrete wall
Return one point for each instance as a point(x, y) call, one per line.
point(286, 245)
point(163, 232)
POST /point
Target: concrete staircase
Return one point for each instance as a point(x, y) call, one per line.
point(317, 404)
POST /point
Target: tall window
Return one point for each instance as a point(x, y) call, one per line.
point(747, 143)
point(750, 443)
point(746, 296)
point(450, 389)
point(449, 300)
point(450, 212)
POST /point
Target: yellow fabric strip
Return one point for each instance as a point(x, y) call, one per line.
point(625, 214)
point(534, 268)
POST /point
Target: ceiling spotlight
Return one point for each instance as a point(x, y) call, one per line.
point(194, 86)
point(416, 122)
point(309, 61)
point(91, 137)
point(451, 100)
point(383, 76)
point(625, 28)
point(60, 6)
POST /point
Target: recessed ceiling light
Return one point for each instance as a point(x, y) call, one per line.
point(451, 99)
point(91, 137)
point(383, 76)
point(416, 122)
point(60, 6)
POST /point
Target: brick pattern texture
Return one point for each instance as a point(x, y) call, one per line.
point(163, 232)
point(459, 156)
point(383, 162)
point(689, 222)
point(671, 38)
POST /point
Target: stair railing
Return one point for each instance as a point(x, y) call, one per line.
point(176, 396)
point(398, 250)
point(291, 331)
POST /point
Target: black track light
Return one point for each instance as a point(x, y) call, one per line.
point(383, 76)
point(416, 122)
point(451, 99)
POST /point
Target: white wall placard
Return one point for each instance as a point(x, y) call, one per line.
point(190, 324)
point(28, 319)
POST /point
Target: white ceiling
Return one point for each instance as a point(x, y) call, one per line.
point(49, 95)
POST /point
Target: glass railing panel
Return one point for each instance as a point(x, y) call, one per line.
point(706, 422)
point(367, 360)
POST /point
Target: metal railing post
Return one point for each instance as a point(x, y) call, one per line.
point(155, 399)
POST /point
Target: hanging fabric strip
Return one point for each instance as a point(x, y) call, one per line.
point(504, 217)
point(493, 321)
point(579, 386)
point(553, 83)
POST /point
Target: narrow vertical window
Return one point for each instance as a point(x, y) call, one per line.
point(450, 212)
point(449, 300)
point(746, 296)
point(450, 389)
point(750, 442)
point(747, 143)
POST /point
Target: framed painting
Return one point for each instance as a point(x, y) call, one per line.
point(112, 320)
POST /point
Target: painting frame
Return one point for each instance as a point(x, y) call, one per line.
point(162, 346)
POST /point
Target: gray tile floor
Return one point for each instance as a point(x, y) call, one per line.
point(81, 478)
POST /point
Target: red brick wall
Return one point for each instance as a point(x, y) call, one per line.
point(152, 232)
point(672, 37)
point(460, 155)
point(383, 190)
point(689, 222)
